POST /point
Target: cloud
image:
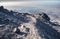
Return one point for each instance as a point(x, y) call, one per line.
point(41, 4)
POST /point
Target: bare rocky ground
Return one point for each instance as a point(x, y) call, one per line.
point(15, 25)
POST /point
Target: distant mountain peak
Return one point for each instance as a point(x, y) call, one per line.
point(1, 7)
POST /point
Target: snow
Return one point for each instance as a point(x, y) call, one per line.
point(37, 27)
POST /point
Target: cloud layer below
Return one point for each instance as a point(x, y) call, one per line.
point(41, 4)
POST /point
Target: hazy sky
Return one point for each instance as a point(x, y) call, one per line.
point(29, 0)
point(30, 3)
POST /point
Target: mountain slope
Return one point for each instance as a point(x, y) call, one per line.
point(15, 25)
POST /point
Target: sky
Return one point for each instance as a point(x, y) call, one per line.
point(29, 0)
point(31, 3)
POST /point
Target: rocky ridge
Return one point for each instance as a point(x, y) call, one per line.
point(16, 25)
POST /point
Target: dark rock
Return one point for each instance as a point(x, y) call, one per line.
point(24, 14)
point(1, 8)
point(45, 16)
point(27, 29)
point(6, 21)
point(20, 33)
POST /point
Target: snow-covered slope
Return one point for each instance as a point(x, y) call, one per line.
point(16, 25)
